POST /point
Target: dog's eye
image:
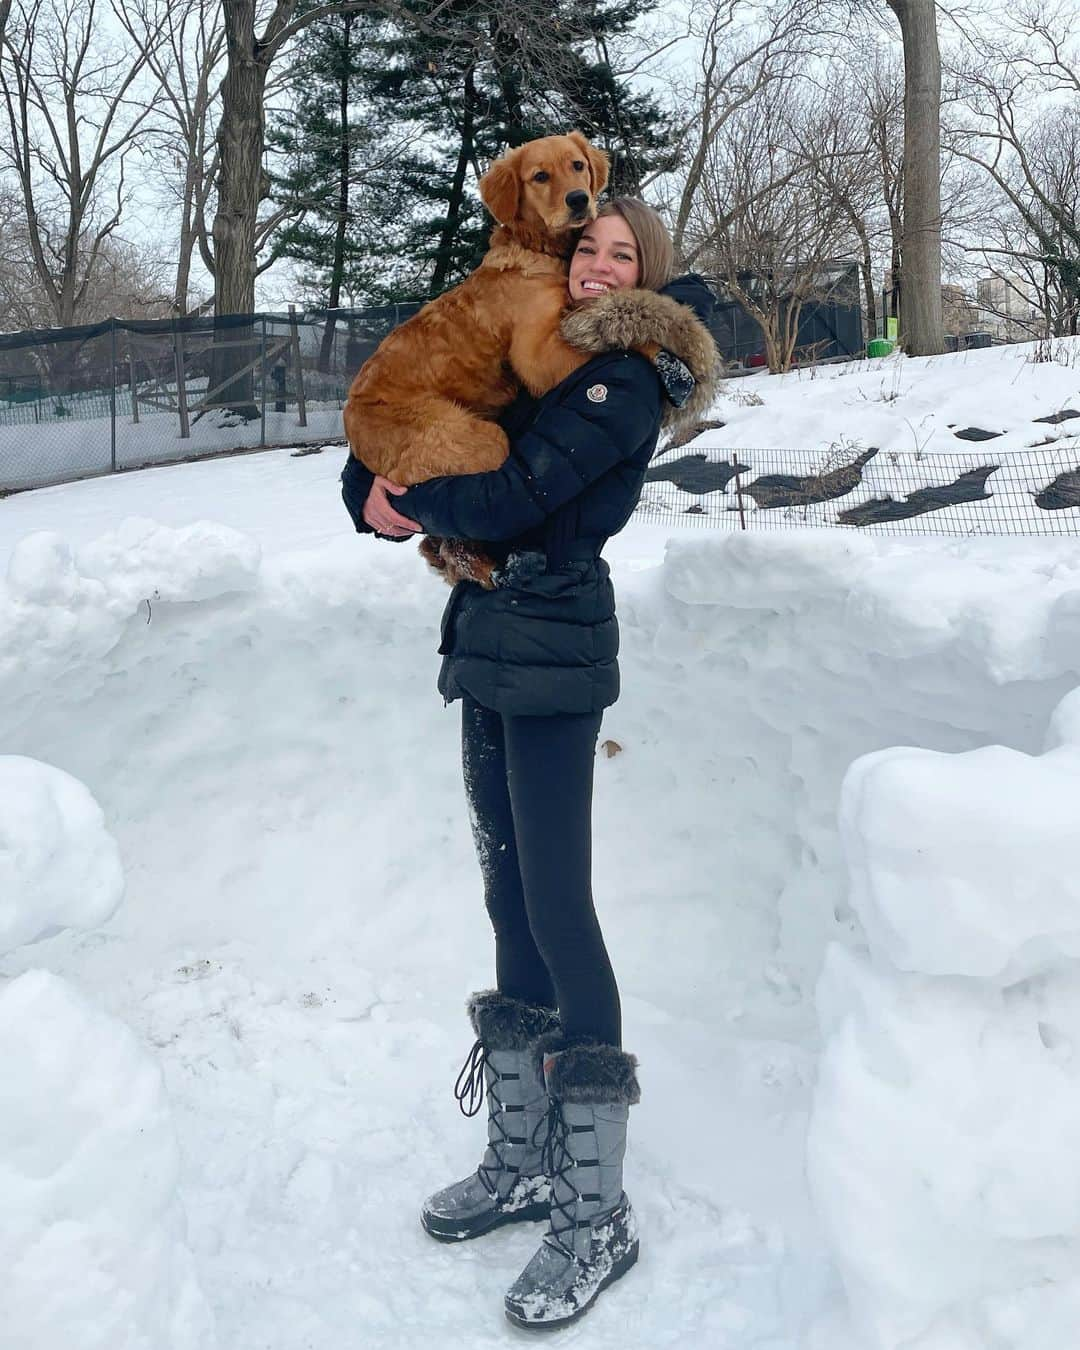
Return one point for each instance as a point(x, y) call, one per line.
point(579, 165)
point(541, 177)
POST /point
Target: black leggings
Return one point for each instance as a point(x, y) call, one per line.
point(529, 785)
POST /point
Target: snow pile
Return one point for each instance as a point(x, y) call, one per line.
point(92, 1242)
point(783, 658)
point(58, 608)
point(943, 1143)
point(198, 562)
point(59, 866)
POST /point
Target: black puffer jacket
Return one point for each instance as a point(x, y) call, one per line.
point(545, 640)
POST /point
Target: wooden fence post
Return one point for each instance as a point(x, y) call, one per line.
point(738, 491)
point(181, 390)
point(301, 401)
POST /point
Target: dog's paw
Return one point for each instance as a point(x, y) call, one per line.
point(464, 561)
point(431, 552)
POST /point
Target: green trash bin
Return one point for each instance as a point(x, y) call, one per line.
point(879, 347)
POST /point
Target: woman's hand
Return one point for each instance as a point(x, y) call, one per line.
point(381, 516)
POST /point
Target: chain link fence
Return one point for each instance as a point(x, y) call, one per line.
point(1023, 492)
point(123, 394)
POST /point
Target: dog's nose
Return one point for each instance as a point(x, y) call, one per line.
point(577, 201)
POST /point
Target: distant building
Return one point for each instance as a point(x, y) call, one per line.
point(1009, 308)
point(959, 311)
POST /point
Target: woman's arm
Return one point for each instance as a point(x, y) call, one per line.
point(365, 496)
point(577, 436)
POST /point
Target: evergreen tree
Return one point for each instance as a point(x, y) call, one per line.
point(399, 116)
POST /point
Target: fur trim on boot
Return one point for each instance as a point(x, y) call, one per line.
point(633, 318)
point(587, 1071)
point(503, 1023)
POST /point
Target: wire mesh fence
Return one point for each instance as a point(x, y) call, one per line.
point(1028, 492)
point(122, 394)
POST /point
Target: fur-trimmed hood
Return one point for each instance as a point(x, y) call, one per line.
point(633, 318)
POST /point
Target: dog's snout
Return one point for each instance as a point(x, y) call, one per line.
point(577, 201)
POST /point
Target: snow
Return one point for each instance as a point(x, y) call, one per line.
point(59, 866)
point(942, 1143)
point(857, 1060)
point(963, 864)
point(910, 404)
point(909, 410)
point(57, 450)
point(92, 1244)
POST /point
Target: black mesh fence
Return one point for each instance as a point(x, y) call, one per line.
point(830, 325)
point(1024, 492)
point(123, 393)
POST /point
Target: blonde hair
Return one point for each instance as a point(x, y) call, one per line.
point(656, 253)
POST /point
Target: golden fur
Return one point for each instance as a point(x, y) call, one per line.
point(423, 404)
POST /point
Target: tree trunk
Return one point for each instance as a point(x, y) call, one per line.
point(867, 269)
point(507, 56)
point(457, 190)
point(187, 241)
point(337, 268)
point(921, 322)
point(242, 185)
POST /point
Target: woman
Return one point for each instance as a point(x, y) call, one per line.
point(534, 664)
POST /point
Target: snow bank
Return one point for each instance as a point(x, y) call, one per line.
point(59, 866)
point(55, 451)
point(300, 972)
point(943, 1143)
point(198, 562)
point(92, 1240)
point(59, 609)
point(767, 664)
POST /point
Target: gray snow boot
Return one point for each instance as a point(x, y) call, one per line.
point(592, 1235)
point(509, 1186)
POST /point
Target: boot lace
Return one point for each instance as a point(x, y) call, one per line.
point(558, 1163)
point(469, 1088)
point(469, 1091)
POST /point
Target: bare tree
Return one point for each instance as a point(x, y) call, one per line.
point(1026, 141)
point(850, 154)
point(921, 323)
point(72, 120)
point(745, 48)
point(242, 181)
point(184, 45)
point(128, 279)
point(761, 222)
point(884, 101)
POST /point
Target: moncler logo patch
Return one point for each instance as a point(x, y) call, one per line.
point(597, 393)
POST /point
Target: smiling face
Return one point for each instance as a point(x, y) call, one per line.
point(607, 258)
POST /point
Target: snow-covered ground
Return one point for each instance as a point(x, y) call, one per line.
point(59, 450)
point(907, 416)
point(880, 959)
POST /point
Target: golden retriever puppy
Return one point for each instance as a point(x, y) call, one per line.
point(423, 404)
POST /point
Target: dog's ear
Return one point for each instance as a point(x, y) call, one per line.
point(597, 161)
point(500, 188)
